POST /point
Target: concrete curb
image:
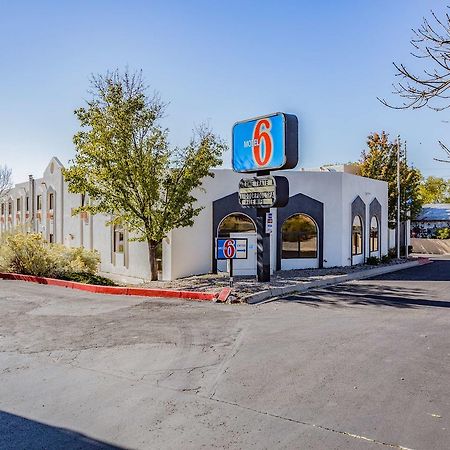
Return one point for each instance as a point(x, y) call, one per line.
point(269, 294)
point(115, 290)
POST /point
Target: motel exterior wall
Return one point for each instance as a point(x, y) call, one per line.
point(188, 251)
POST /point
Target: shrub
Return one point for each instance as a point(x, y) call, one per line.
point(26, 254)
point(29, 254)
point(372, 261)
point(385, 259)
point(74, 260)
point(88, 278)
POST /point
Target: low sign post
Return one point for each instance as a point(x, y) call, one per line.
point(260, 145)
point(231, 249)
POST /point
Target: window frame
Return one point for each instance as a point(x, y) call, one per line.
point(118, 239)
point(376, 239)
point(299, 251)
point(51, 201)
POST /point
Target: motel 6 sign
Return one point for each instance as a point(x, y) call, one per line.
point(231, 248)
point(265, 143)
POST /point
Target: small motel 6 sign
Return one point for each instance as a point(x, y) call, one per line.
point(229, 248)
point(265, 143)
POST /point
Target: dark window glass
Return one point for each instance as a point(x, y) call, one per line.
point(118, 239)
point(299, 237)
point(51, 201)
point(39, 202)
point(373, 234)
point(357, 244)
point(236, 223)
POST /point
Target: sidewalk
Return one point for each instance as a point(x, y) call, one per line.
point(247, 289)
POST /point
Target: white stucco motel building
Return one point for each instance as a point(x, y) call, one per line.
point(332, 219)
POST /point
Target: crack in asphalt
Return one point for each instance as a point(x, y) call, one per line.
point(195, 392)
point(314, 425)
point(223, 364)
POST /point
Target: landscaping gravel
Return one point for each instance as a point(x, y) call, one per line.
point(244, 285)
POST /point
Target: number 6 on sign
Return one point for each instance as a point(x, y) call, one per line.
point(227, 248)
point(263, 145)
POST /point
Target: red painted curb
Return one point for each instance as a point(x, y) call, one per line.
point(423, 261)
point(113, 290)
point(224, 294)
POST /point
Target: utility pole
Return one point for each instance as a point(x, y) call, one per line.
point(398, 198)
point(407, 206)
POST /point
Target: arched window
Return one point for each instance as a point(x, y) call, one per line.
point(299, 237)
point(235, 223)
point(357, 242)
point(373, 234)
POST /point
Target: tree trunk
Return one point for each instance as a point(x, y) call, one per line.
point(152, 245)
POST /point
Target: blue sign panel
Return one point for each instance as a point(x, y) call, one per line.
point(265, 143)
point(227, 248)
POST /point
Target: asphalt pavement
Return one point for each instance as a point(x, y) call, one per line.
point(361, 365)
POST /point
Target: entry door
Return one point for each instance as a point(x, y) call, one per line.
point(242, 266)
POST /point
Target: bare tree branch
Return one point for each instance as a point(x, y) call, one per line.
point(430, 88)
point(446, 150)
point(5, 181)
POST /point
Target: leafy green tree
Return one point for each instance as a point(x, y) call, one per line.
point(443, 233)
point(125, 164)
point(379, 161)
point(434, 190)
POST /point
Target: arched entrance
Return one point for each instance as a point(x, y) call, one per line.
point(239, 225)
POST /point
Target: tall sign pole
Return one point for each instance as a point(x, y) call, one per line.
point(398, 197)
point(260, 145)
point(262, 241)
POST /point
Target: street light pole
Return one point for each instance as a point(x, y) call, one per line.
point(407, 231)
point(398, 197)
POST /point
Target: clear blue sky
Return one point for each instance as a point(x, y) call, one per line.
point(325, 61)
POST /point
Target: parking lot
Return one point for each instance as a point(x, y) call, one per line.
point(361, 365)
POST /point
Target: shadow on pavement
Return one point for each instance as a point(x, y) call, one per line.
point(438, 270)
point(21, 433)
point(345, 295)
